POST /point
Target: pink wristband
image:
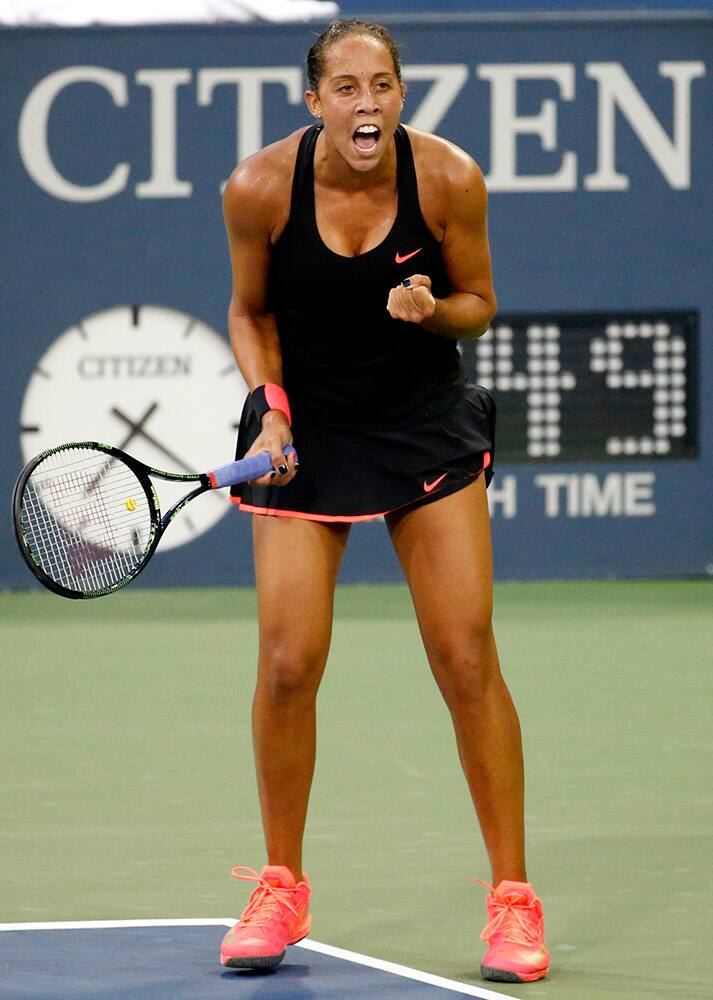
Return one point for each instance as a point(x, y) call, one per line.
point(270, 397)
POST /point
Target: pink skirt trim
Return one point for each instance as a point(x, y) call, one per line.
point(331, 518)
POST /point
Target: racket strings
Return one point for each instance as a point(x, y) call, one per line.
point(86, 520)
point(49, 545)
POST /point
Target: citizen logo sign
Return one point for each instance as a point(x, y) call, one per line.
point(518, 116)
point(117, 366)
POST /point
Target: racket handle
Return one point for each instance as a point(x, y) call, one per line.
point(244, 469)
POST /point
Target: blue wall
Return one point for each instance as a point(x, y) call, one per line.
point(586, 243)
point(381, 8)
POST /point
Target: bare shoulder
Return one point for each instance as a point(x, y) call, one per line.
point(257, 193)
point(449, 179)
point(442, 161)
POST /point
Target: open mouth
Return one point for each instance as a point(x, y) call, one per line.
point(366, 137)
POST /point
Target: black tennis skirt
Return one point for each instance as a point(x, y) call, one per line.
point(348, 475)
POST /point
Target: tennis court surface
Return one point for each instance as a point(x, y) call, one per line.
point(151, 960)
point(128, 794)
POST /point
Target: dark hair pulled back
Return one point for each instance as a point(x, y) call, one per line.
point(347, 28)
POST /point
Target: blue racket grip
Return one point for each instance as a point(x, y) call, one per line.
point(244, 469)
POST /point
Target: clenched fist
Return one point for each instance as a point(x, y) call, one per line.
point(412, 300)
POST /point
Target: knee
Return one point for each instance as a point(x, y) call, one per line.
point(465, 663)
point(290, 671)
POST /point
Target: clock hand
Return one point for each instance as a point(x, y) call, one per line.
point(135, 429)
point(138, 429)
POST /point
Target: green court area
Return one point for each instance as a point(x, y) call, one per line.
point(128, 791)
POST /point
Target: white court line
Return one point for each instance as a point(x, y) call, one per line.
point(84, 925)
point(402, 970)
point(382, 965)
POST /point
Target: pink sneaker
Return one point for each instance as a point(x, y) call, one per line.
point(515, 934)
point(277, 914)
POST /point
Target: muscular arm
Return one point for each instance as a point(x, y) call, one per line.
point(252, 328)
point(467, 311)
point(250, 212)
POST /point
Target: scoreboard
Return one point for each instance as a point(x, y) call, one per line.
point(591, 386)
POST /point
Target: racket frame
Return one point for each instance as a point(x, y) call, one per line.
point(143, 473)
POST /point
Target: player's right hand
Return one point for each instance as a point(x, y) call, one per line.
point(274, 438)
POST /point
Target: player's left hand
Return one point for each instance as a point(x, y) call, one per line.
point(412, 300)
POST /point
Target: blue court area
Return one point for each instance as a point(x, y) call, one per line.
point(175, 961)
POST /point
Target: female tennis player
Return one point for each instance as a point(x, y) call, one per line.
point(360, 257)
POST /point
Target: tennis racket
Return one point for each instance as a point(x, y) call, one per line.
point(87, 516)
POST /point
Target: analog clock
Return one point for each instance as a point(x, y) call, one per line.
point(155, 382)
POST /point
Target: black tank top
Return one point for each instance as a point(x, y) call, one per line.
point(345, 360)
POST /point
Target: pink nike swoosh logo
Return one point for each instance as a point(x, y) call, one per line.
point(402, 260)
point(428, 487)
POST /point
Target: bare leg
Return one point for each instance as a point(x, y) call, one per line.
point(296, 565)
point(444, 548)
